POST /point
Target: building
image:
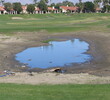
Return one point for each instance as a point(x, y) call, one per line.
point(38, 11)
point(2, 10)
point(63, 9)
point(24, 9)
point(72, 9)
point(98, 10)
point(12, 11)
point(52, 10)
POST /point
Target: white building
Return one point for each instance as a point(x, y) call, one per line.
point(2, 10)
point(71, 9)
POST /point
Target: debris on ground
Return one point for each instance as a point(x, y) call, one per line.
point(57, 70)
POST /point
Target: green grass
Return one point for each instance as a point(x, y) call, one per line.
point(54, 92)
point(53, 23)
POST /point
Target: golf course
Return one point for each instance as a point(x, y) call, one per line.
point(86, 81)
point(53, 23)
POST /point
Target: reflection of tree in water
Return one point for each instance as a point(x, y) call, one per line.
point(72, 41)
point(50, 46)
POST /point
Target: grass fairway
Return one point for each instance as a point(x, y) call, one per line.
point(53, 22)
point(54, 92)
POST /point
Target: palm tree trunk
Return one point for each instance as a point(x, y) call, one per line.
point(106, 11)
point(81, 11)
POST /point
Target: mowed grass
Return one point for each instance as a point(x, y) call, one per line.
point(54, 92)
point(53, 23)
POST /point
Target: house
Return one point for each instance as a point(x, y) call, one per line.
point(65, 9)
point(38, 11)
point(52, 9)
point(2, 10)
point(49, 10)
point(98, 10)
point(12, 11)
point(24, 9)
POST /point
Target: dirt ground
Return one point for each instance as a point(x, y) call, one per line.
point(55, 78)
point(99, 49)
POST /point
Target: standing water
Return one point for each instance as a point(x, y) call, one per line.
point(56, 54)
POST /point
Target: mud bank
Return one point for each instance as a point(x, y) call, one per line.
point(99, 49)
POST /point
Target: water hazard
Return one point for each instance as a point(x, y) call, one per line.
point(56, 54)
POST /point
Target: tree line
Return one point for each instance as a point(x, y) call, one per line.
point(84, 7)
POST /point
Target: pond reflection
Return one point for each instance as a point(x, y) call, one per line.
point(56, 54)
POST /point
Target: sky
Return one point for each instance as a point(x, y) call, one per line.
point(31, 1)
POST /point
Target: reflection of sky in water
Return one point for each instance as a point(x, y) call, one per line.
point(55, 54)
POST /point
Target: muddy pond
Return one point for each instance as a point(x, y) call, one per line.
point(56, 54)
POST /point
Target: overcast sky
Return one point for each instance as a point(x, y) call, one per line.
point(31, 1)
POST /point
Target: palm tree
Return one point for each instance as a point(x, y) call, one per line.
point(105, 4)
point(35, 1)
point(50, 1)
point(81, 5)
point(1, 2)
point(80, 1)
point(46, 1)
point(97, 3)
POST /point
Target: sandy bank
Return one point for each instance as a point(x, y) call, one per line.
point(55, 78)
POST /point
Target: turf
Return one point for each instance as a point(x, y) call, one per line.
point(53, 23)
point(54, 92)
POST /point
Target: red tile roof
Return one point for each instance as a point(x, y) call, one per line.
point(24, 7)
point(69, 8)
point(2, 8)
point(52, 8)
point(98, 9)
point(37, 9)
